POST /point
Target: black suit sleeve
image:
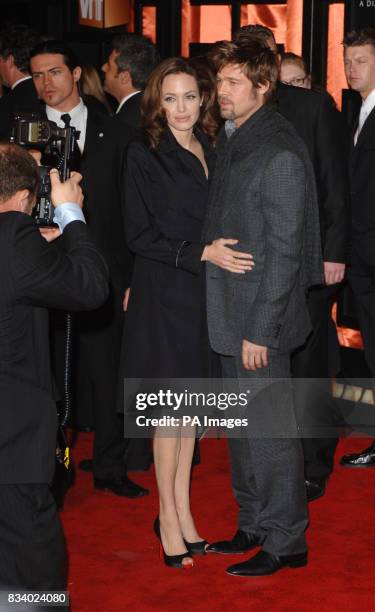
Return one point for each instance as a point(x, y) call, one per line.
point(143, 234)
point(331, 147)
point(69, 273)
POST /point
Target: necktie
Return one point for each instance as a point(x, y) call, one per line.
point(75, 160)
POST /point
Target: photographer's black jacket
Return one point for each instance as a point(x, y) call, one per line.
point(35, 276)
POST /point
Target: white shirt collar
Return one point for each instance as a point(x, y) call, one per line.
point(55, 115)
point(78, 119)
point(368, 104)
point(26, 78)
point(126, 99)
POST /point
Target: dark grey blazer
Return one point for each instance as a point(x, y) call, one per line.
point(263, 193)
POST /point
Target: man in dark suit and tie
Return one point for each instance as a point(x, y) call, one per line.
point(56, 73)
point(263, 194)
point(16, 43)
point(359, 62)
point(126, 71)
point(324, 133)
point(36, 276)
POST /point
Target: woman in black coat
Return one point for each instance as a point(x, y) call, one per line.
point(165, 331)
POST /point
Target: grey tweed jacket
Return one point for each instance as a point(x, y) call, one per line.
point(263, 193)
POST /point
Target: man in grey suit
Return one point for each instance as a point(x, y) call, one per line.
point(263, 193)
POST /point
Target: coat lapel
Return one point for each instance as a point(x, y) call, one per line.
point(367, 130)
point(364, 137)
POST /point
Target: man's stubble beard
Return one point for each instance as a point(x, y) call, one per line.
point(227, 114)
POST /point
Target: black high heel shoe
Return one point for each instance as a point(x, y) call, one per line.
point(196, 548)
point(171, 560)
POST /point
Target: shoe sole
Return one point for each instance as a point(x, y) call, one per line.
point(106, 490)
point(309, 500)
point(359, 465)
point(297, 565)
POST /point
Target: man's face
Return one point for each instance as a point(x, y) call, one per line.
point(291, 73)
point(359, 63)
point(54, 82)
point(111, 75)
point(238, 98)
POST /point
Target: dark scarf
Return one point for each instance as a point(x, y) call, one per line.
point(249, 138)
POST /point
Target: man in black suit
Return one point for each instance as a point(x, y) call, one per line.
point(359, 62)
point(126, 71)
point(37, 276)
point(16, 43)
point(56, 73)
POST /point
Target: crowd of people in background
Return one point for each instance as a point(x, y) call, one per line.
point(229, 201)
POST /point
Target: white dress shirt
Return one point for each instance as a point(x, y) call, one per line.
point(366, 109)
point(126, 99)
point(78, 119)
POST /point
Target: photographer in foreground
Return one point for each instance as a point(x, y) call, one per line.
point(35, 275)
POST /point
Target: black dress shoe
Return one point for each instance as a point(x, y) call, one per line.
point(265, 564)
point(315, 488)
point(86, 465)
point(123, 487)
point(240, 543)
point(365, 458)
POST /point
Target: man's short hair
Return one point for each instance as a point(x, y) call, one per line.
point(357, 38)
point(136, 54)
point(18, 40)
point(256, 32)
point(57, 47)
point(18, 170)
point(259, 63)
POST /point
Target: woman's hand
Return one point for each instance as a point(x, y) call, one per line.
point(223, 256)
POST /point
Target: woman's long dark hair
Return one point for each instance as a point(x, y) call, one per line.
point(153, 115)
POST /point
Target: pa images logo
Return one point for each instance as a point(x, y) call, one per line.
point(366, 3)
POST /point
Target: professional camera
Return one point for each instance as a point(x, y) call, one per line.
point(32, 132)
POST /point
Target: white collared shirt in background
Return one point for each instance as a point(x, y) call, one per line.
point(366, 109)
point(126, 99)
point(25, 78)
point(78, 119)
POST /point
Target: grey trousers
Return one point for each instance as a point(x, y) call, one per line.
point(267, 466)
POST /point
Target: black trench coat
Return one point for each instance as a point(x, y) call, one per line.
point(165, 333)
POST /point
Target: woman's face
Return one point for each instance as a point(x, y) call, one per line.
point(294, 74)
point(181, 101)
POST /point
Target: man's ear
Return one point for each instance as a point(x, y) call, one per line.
point(263, 87)
point(22, 201)
point(10, 60)
point(77, 73)
point(124, 77)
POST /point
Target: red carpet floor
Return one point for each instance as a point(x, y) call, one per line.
point(114, 563)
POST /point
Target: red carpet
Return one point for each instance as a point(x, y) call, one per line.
point(114, 563)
